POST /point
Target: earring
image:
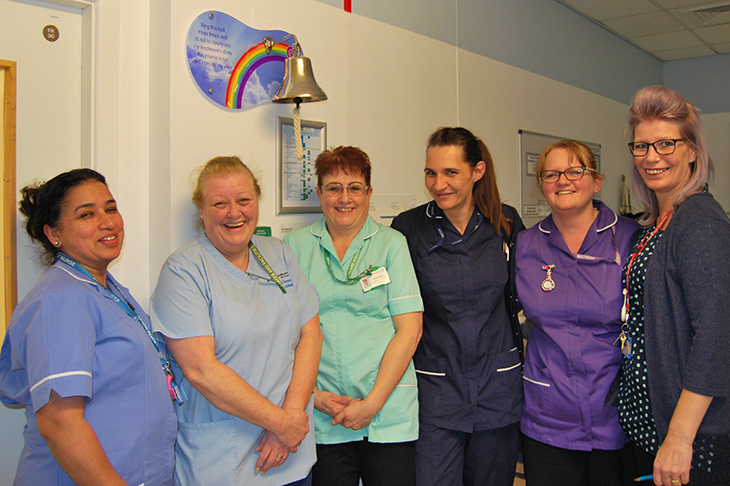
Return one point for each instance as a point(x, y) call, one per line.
point(56, 243)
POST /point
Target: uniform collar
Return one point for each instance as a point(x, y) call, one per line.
point(74, 273)
point(368, 230)
point(436, 214)
point(605, 220)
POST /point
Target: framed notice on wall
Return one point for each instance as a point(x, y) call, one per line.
point(296, 181)
point(533, 207)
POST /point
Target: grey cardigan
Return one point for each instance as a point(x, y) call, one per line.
point(687, 323)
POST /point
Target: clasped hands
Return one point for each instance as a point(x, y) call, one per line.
point(351, 413)
point(275, 446)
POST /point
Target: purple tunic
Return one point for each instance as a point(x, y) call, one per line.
point(571, 358)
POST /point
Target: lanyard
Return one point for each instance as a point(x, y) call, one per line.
point(274, 278)
point(350, 280)
point(641, 246)
point(131, 312)
point(463, 239)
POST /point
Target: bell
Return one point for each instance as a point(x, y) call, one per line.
point(299, 85)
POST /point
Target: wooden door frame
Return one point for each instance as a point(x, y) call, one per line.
point(9, 264)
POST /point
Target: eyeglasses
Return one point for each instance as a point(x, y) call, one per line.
point(662, 147)
point(572, 174)
point(354, 189)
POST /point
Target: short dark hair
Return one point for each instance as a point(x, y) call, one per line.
point(350, 160)
point(42, 202)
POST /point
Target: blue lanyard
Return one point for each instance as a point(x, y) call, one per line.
point(129, 310)
point(463, 239)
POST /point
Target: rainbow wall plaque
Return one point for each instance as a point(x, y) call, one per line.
point(229, 62)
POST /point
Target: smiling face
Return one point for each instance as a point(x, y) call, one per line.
point(230, 212)
point(344, 214)
point(568, 196)
point(90, 229)
point(663, 174)
point(450, 180)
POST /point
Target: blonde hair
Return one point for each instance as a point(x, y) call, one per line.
point(579, 151)
point(661, 103)
point(219, 166)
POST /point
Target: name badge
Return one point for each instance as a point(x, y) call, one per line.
point(377, 278)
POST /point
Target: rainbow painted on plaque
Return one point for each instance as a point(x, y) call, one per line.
point(251, 60)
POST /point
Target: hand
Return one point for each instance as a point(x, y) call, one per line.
point(673, 461)
point(272, 453)
point(357, 415)
point(293, 429)
point(330, 403)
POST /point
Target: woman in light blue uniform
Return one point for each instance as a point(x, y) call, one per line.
point(78, 354)
point(242, 324)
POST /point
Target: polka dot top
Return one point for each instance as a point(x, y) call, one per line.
point(634, 407)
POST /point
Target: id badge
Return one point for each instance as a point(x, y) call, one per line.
point(378, 278)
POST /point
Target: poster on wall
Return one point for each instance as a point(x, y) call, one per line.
point(230, 62)
point(296, 180)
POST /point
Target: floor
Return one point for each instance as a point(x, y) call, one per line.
point(519, 477)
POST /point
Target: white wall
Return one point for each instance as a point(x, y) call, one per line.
point(717, 131)
point(497, 100)
point(383, 97)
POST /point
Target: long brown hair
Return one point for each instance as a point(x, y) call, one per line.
point(485, 191)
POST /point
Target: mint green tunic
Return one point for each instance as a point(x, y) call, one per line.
point(358, 326)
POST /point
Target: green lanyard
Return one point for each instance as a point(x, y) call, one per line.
point(350, 280)
point(267, 267)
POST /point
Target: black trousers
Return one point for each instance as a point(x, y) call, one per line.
point(546, 465)
point(377, 464)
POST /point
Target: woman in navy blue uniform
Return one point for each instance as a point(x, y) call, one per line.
point(468, 361)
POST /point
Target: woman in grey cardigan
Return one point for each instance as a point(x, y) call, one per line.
point(673, 398)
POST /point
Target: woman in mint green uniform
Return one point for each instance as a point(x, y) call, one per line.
point(366, 408)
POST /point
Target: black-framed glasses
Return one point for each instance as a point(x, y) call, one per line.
point(354, 189)
point(572, 174)
point(662, 147)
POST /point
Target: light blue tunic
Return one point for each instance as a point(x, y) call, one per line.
point(256, 329)
point(68, 335)
point(358, 326)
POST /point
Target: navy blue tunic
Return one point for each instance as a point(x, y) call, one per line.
point(468, 365)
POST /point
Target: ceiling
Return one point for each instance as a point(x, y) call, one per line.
point(666, 29)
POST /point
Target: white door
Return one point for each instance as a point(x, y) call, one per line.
point(48, 130)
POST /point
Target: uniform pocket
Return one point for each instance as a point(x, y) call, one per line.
point(435, 392)
point(205, 453)
point(538, 388)
point(506, 385)
point(429, 366)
